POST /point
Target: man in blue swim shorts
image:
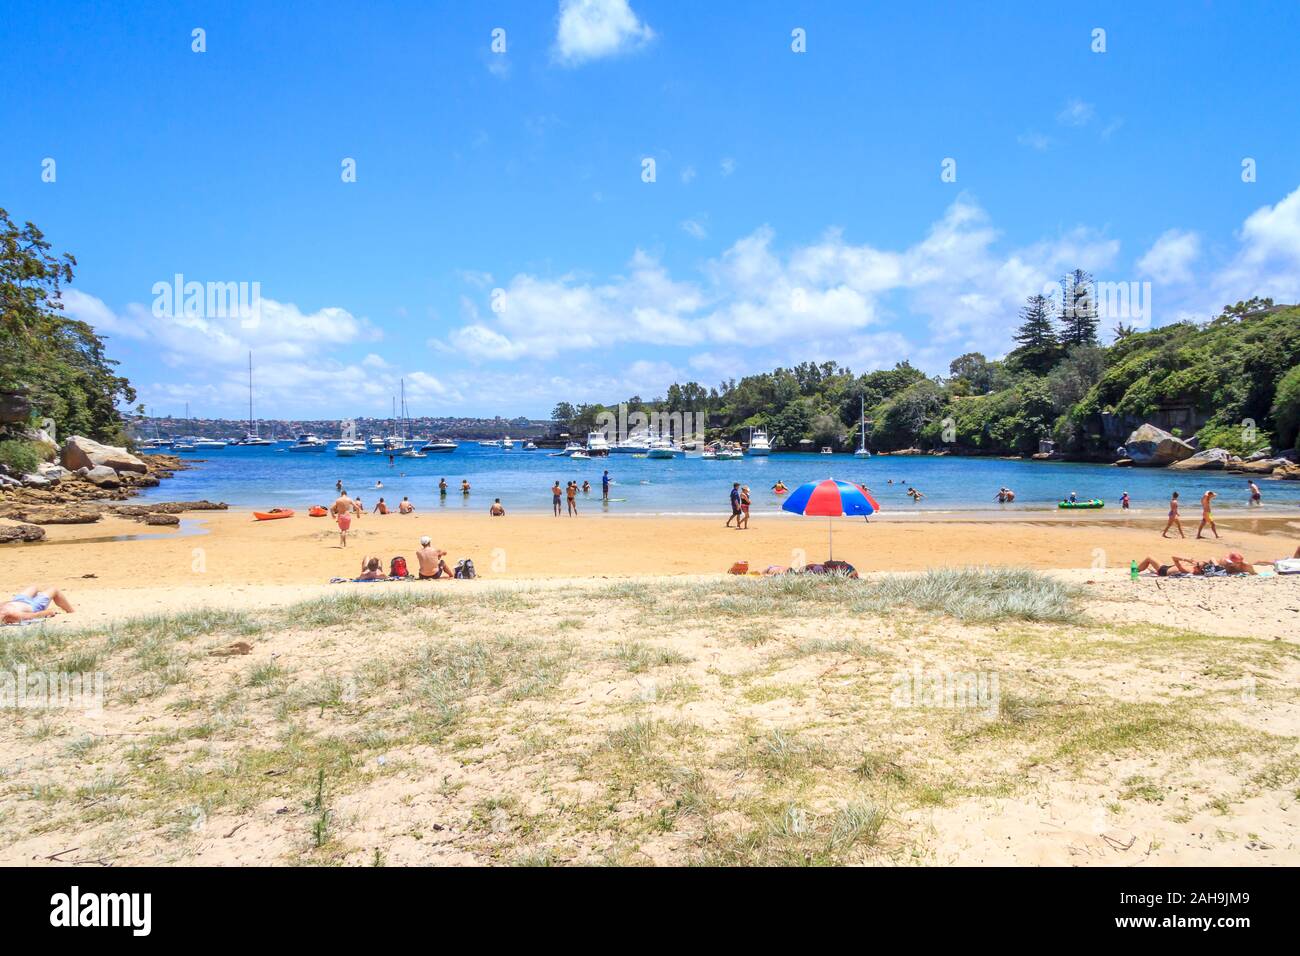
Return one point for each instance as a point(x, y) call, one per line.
point(31, 603)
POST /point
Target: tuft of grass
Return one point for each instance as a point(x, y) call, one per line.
point(638, 658)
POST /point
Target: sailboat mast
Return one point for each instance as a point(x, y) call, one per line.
point(250, 391)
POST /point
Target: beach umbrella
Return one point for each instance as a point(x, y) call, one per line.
point(830, 499)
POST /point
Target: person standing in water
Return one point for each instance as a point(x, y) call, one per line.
point(1256, 499)
point(572, 495)
point(604, 485)
point(1123, 501)
point(1206, 517)
point(442, 488)
point(1173, 521)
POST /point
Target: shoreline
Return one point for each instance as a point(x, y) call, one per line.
point(228, 550)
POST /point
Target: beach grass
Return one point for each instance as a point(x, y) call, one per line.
point(755, 725)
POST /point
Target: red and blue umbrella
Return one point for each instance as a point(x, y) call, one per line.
point(831, 498)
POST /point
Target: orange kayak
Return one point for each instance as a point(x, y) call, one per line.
point(317, 512)
point(273, 514)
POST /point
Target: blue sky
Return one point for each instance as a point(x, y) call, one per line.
point(797, 210)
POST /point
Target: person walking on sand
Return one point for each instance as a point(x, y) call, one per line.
point(735, 504)
point(1206, 517)
point(33, 602)
point(1256, 499)
point(604, 485)
point(1174, 521)
point(556, 492)
point(744, 508)
point(572, 495)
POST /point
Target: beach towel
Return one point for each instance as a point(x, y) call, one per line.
point(1287, 566)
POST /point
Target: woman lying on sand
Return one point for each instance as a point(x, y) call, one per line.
point(1231, 563)
point(33, 602)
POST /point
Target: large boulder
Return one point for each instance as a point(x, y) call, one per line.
point(1212, 459)
point(79, 452)
point(1263, 467)
point(1288, 470)
point(20, 532)
point(104, 476)
point(1152, 447)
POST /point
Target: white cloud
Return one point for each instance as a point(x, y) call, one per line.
point(1268, 261)
point(1170, 257)
point(688, 174)
point(1076, 113)
point(693, 228)
point(591, 29)
point(728, 165)
point(1034, 140)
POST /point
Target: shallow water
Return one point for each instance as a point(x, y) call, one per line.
point(252, 477)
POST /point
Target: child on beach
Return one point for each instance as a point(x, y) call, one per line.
point(1173, 521)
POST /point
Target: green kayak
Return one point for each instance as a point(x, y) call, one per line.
point(1072, 505)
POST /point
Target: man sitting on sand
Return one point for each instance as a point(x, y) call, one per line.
point(405, 507)
point(371, 570)
point(431, 561)
point(497, 510)
point(33, 602)
point(382, 507)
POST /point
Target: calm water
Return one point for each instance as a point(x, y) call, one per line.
point(271, 476)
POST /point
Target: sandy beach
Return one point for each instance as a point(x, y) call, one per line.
point(605, 694)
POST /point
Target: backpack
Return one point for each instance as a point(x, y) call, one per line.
point(841, 567)
point(465, 568)
point(397, 568)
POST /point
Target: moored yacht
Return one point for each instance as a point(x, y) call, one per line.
point(758, 443)
point(597, 445)
point(308, 442)
point(442, 445)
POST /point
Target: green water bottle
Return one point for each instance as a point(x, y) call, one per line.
point(1132, 570)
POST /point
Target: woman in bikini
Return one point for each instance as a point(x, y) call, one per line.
point(1173, 518)
point(744, 508)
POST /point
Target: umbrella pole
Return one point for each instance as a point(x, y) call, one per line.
point(830, 538)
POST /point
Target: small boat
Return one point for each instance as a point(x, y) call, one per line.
point(826, 450)
point(273, 514)
point(182, 446)
point(440, 445)
point(759, 446)
point(307, 442)
point(1081, 505)
point(530, 446)
point(572, 448)
point(411, 453)
point(316, 511)
point(580, 455)
point(710, 454)
point(208, 444)
point(662, 448)
point(349, 447)
point(597, 445)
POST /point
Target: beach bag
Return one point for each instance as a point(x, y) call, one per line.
point(1287, 566)
point(397, 568)
point(740, 567)
point(465, 569)
point(841, 567)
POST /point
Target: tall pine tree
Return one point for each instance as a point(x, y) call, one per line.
point(1079, 320)
point(1039, 349)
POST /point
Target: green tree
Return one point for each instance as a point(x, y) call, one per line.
point(59, 361)
point(1079, 319)
point(1038, 349)
point(1286, 410)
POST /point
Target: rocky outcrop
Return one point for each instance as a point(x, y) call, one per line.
point(70, 515)
point(1264, 466)
point(19, 533)
point(1212, 459)
point(103, 476)
point(15, 408)
point(1151, 447)
point(1288, 471)
point(80, 452)
point(161, 519)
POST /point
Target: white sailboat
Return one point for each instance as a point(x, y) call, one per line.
point(862, 451)
point(251, 436)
